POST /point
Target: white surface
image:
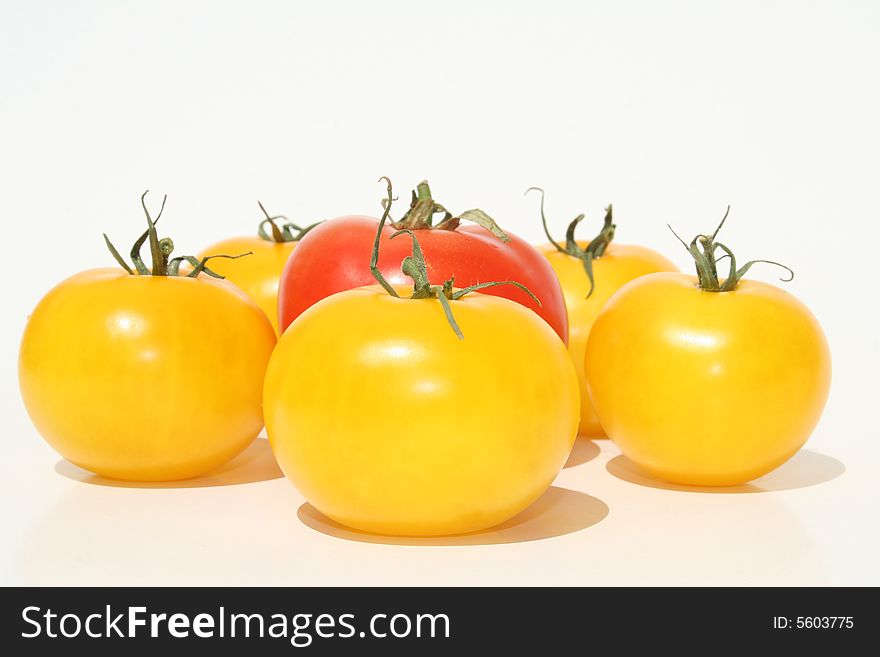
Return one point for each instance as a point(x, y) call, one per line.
point(669, 110)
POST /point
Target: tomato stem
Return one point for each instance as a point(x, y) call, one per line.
point(596, 247)
point(160, 252)
point(424, 191)
point(374, 255)
point(703, 250)
point(199, 265)
point(422, 208)
point(414, 267)
point(285, 232)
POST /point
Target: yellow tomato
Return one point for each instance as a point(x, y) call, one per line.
point(145, 377)
point(389, 423)
point(258, 274)
point(707, 388)
point(619, 264)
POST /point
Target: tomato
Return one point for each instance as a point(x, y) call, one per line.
point(705, 382)
point(259, 274)
point(610, 266)
point(145, 377)
point(332, 258)
point(399, 427)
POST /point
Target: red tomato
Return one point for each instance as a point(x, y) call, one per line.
point(335, 257)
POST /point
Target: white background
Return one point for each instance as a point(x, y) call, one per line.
point(670, 110)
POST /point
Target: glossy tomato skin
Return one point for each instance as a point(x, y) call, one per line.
point(145, 378)
point(259, 274)
point(400, 428)
point(335, 256)
point(620, 264)
point(707, 388)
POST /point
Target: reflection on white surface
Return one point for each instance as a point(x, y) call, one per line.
point(251, 534)
point(256, 463)
point(806, 468)
point(584, 450)
point(558, 512)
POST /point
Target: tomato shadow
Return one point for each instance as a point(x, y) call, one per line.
point(806, 468)
point(256, 463)
point(584, 450)
point(559, 511)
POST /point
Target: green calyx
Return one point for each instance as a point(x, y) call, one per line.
point(160, 252)
point(704, 248)
point(285, 231)
point(596, 247)
point(423, 207)
point(414, 267)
